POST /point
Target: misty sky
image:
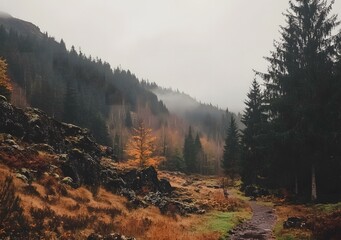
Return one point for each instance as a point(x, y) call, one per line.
point(206, 48)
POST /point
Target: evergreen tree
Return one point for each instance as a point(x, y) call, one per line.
point(254, 120)
point(298, 90)
point(71, 105)
point(188, 152)
point(199, 154)
point(128, 121)
point(231, 157)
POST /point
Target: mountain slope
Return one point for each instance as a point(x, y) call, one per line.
point(67, 84)
point(23, 27)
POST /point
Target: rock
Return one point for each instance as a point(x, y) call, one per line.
point(35, 127)
point(165, 186)
point(82, 168)
point(43, 148)
point(254, 191)
point(111, 181)
point(28, 173)
point(112, 236)
point(134, 200)
point(295, 222)
point(171, 206)
point(68, 181)
point(3, 98)
point(22, 177)
point(145, 181)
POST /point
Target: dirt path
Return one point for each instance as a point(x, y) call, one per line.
point(259, 227)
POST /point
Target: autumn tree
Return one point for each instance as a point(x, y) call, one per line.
point(5, 84)
point(141, 148)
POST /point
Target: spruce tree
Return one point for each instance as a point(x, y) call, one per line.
point(231, 157)
point(188, 152)
point(254, 120)
point(298, 89)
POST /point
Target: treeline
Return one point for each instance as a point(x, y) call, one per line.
point(67, 84)
point(211, 120)
point(292, 138)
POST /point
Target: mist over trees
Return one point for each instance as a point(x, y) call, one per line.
point(86, 91)
point(69, 85)
point(300, 140)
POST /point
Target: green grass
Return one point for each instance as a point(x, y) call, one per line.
point(222, 222)
point(328, 208)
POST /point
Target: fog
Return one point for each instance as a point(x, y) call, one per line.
point(202, 47)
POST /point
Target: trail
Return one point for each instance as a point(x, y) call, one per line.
point(259, 227)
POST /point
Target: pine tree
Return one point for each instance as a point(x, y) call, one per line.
point(231, 157)
point(141, 148)
point(298, 89)
point(254, 120)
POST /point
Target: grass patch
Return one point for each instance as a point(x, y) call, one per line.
point(221, 222)
point(328, 208)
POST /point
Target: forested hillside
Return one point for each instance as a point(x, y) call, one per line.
point(67, 84)
point(86, 91)
point(212, 120)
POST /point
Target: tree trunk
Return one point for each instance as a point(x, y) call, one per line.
point(296, 184)
point(313, 184)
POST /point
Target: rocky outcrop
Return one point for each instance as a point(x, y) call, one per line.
point(34, 126)
point(24, 134)
point(79, 155)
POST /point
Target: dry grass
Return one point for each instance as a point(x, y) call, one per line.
point(26, 159)
point(71, 215)
point(285, 211)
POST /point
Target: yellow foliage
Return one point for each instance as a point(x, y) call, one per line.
point(141, 147)
point(5, 83)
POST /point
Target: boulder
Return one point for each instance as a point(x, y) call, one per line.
point(145, 181)
point(295, 222)
point(82, 168)
point(254, 191)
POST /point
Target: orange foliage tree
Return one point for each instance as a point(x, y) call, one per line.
point(141, 148)
point(5, 83)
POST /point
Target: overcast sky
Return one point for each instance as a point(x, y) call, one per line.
point(206, 48)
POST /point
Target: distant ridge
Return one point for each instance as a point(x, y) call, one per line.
point(5, 15)
point(22, 27)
